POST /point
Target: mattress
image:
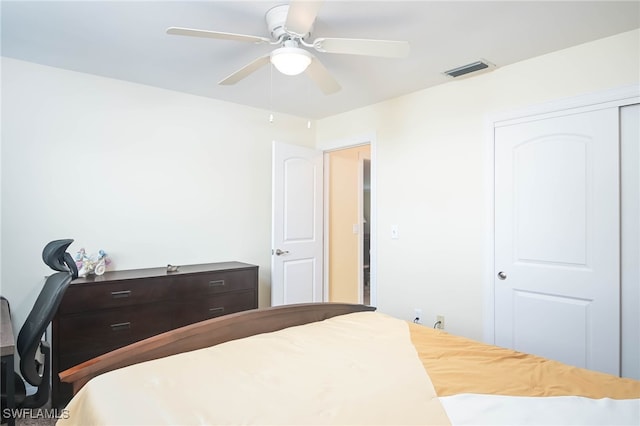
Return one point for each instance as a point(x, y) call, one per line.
point(364, 368)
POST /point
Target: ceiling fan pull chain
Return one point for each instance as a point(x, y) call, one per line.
point(270, 93)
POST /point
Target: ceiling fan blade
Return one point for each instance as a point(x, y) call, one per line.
point(216, 34)
point(355, 46)
point(301, 16)
point(245, 71)
point(321, 76)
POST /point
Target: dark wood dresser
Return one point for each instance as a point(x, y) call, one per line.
point(102, 313)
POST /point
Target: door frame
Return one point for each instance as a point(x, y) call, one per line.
point(361, 161)
point(619, 97)
point(336, 145)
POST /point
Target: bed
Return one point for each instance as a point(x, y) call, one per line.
point(335, 363)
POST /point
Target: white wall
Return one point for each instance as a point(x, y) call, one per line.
point(155, 177)
point(149, 175)
point(431, 159)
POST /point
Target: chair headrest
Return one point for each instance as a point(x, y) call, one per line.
point(55, 256)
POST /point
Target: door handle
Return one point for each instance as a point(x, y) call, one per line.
point(281, 252)
point(502, 275)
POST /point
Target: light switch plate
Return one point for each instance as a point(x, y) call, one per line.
point(394, 232)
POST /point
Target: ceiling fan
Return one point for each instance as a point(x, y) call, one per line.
point(290, 27)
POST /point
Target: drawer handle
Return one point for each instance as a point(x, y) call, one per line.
point(120, 326)
point(213, 311)
point(216, 283)
point(120, 294)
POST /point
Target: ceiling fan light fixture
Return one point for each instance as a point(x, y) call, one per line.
point(290, 60)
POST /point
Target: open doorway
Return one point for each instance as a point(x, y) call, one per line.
point(348, 221)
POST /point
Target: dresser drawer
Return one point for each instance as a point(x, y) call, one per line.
point(89, 297)
point(199, 285)
point(196, 310)
point(102, 331)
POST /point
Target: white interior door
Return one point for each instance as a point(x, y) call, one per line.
point(557, 238)
point(297, 225)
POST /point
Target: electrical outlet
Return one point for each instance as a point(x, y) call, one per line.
point(417, 315)
point(440, 322)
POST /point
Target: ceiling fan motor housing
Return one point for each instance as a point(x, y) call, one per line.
point(276, 18)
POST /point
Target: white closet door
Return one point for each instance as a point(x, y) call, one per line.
point(557, 227)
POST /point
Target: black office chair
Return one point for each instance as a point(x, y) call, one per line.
point(29, 338)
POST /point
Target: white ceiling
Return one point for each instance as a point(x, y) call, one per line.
point(126, 40)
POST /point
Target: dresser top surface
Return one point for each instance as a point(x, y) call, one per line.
point(131, 274)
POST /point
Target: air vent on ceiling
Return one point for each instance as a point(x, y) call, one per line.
point(473, 67)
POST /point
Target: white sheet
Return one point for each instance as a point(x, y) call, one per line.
point(494, 410)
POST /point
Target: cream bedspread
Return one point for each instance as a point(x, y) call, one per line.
point(353, 369)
